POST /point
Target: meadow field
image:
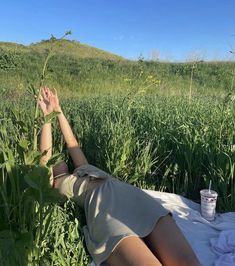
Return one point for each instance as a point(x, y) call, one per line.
point(156, 125)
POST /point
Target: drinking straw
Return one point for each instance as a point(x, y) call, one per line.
point(210, 187)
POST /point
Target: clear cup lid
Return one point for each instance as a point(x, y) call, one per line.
point(208, 193)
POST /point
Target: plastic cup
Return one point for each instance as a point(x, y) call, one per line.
point(208, 203)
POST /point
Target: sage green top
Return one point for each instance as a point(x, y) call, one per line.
point(75, 186)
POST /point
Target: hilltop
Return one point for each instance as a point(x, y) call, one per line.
point(61, 47)
point(74, 49)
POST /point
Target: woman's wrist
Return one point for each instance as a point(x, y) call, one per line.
point(59, 112)
point(45, 114)
point(58, 109)
point(47, 123)
point(46, 119)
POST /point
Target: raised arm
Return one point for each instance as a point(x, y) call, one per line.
point(74, 150)
point(46, 134)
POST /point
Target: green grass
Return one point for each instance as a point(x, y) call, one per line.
point(136, 120)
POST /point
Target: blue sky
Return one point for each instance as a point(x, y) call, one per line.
point(173, 30)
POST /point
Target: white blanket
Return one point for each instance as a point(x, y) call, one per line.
point(224, 246)
point(198, 231)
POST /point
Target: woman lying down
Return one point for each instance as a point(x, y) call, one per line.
point(124, 225)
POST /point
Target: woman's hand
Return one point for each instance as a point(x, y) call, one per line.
point(54, 101)
point(44, 101)
point(48, 101)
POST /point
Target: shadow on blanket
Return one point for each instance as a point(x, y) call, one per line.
point(198, 231)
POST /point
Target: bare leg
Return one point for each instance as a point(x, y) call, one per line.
point(169, 245)
point(132, 251)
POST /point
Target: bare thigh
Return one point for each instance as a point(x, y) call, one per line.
point(132, 251)
point(169, 245)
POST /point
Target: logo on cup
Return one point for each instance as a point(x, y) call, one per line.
point(208, 203)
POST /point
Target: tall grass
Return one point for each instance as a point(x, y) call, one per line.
point(136, 120)
point(154, 142)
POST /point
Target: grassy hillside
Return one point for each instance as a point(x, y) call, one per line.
point(76, 67)
point(65, 47)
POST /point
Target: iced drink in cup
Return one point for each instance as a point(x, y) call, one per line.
point(208, 203)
